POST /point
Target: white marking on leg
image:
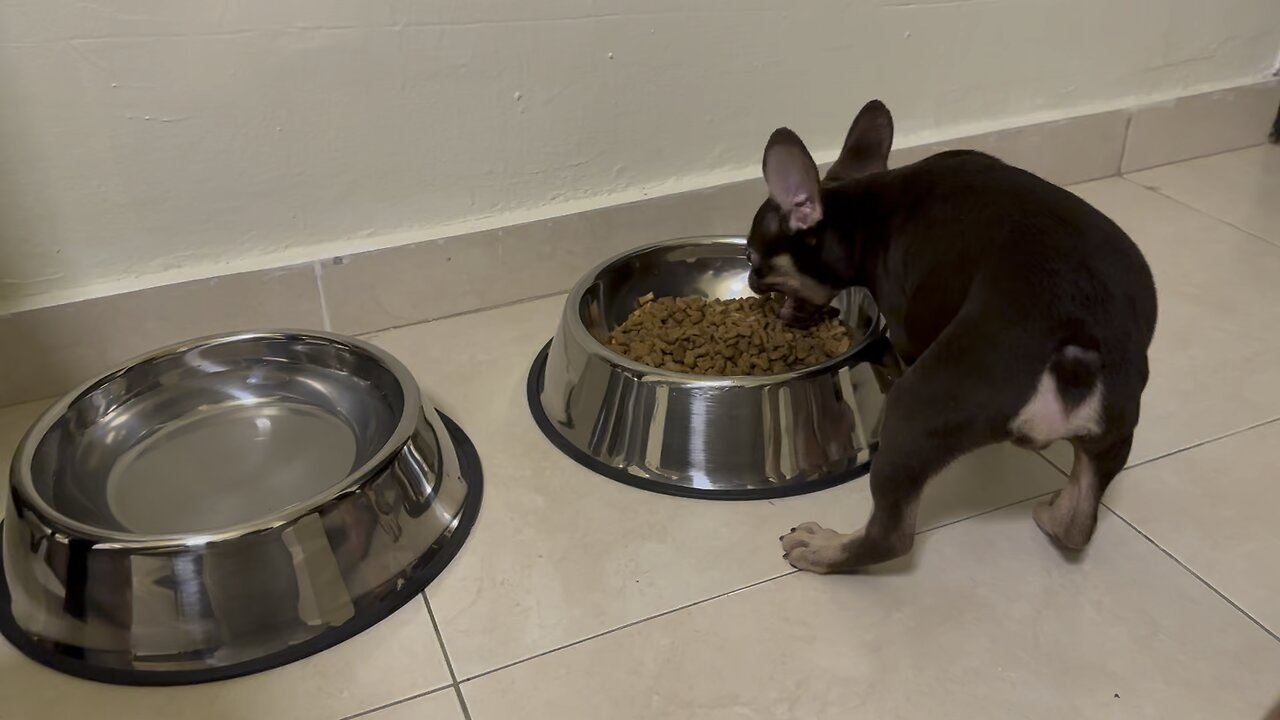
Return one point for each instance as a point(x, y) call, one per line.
point(1045, 418)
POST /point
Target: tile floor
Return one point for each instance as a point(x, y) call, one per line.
point(580, 598)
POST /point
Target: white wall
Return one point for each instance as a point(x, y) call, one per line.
point(143, 140)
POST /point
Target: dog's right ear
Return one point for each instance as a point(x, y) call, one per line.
point(866, 147)
point(792, 177)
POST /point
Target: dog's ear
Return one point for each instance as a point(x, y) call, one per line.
point(866, 147)
point(792, 177)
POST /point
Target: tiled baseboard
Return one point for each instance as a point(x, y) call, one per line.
point(47, 350)
point(1200, 125)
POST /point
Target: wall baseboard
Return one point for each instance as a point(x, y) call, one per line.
point(46, 350)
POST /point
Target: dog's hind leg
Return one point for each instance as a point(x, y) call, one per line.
point(950, 402)
point(1070, 517)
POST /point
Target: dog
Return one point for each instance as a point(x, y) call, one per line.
point(1021, 312)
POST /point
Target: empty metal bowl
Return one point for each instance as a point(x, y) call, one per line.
point(228, 505)
point(731, 438)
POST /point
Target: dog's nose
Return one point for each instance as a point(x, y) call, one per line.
point(754, 282)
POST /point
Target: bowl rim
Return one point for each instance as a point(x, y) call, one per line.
point(22, 482)
point(647, 373)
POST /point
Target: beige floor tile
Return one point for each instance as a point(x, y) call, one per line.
point(1217, 509)
point(395, 659)
point(1241, 187)
point(14, 421)
point(559, 554)
point(986, 621)
point(1213, 361)
point(439, 705)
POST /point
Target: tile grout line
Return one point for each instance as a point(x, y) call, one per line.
point(448, 663)
point(393, 703)
point(1053, 464)
point(463, 313)
point(1160, 547)
point(1179, 451)
point(1124, 144)
point(949, 523)
point(631, 624)
point(1201, 443)
point(1193, 573)
point(453, 685)
point(1198, 211)
point(458, 683)
point(998, 508)
point(750, 586)
point(726, 593)
point(324, 304)
point(1212, 153)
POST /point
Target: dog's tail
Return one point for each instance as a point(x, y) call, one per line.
point(1077, 367)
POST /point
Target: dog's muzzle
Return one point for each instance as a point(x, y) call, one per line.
point(802, 313)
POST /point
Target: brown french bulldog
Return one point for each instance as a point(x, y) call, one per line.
point(1023, 313)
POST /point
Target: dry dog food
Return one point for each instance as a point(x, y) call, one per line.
point(744, 336)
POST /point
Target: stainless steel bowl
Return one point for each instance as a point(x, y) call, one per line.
point(724, 438)
point(228, 505)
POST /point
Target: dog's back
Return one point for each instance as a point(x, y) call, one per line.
point(970, 228)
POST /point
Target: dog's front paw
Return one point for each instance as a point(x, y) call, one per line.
point(816, 549)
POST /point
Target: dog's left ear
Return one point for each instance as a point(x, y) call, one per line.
point(866, 147)
point(792, 177)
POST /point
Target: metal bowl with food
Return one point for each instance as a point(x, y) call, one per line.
point(227, 505)
point(677, 432)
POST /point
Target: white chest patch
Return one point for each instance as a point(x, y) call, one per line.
point(1045, 418)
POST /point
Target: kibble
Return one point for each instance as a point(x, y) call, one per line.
point(743, 336)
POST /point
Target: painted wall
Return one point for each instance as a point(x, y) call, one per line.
point(146, 140)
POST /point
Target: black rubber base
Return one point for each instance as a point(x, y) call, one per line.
point(533, 389)
point(365, 618)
